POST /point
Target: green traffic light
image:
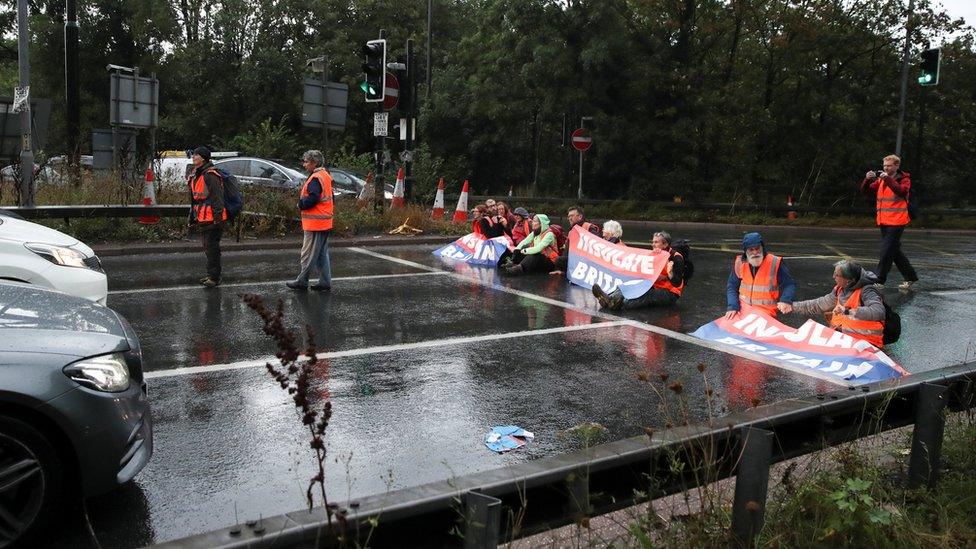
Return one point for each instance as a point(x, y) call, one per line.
point(367, 88)
point(925, 79)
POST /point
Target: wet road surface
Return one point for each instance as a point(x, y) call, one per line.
point(425, 356)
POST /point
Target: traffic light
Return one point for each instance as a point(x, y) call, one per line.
point(931, 59)
point(375, 69)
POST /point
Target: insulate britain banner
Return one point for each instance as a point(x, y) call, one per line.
point(594, 261)
point(476, 249)
point(812, 346)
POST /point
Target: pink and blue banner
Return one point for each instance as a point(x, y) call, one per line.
point(594, 261)
point(476, 249)
point(812, 346)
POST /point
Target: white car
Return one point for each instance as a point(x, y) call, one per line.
point(39, 255)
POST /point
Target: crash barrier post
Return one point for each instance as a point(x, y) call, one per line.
point(482, 520)
point(751, 486)
point(926, 453)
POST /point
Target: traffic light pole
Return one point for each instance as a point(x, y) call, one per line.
point(378, 186)
point(904, 76)
point(409, 111)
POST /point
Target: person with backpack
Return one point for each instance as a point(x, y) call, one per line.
point(668, 286)
point(891, 189)
point(856, 307)
point(537, 253)
point(207, 212)
point(316, 206)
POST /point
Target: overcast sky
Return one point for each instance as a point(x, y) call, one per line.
point(962, 8)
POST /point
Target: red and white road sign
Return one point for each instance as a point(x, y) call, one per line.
point(392, 92)
point(582, 140)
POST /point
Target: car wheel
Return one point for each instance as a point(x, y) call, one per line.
point(31, 480)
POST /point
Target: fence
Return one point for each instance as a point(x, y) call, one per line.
point(483, 509)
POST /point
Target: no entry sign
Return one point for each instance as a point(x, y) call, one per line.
point(581, 139)
point(392, 92)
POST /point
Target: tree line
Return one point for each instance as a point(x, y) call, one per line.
point(745, 100)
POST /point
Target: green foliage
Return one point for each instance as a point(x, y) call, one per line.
point(268, 140)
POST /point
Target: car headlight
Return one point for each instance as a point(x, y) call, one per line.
point(58, 254)
point(105, 373)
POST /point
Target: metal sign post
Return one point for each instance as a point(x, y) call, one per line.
point(23, 64)
point(581, 142)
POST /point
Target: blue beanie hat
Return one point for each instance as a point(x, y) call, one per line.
point(751, 240)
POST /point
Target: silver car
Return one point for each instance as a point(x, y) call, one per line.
point(74, 408)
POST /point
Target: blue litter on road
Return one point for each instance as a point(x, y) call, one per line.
point(507, 437)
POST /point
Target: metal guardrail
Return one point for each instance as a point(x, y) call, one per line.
point(92, 211)
point(483, 509)
point(515, 201)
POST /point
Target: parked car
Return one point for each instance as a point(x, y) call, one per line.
point(52, 172)
point(257, 172)
point(74, 408)
point(354, 182)
point(40, 255)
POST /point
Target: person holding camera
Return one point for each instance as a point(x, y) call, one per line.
point(890, 187)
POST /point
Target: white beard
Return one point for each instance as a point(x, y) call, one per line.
point(755, 261)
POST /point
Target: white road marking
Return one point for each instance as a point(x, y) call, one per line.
point(453, 341)
point(955, 292)
point(270, 282)
point(644, 326)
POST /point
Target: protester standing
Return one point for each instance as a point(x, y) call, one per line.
point(207, 213)
point(890, 188)
point(316, 205)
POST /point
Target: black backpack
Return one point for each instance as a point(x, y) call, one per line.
point(683, 247)
point(892, 325)
point(233, 197)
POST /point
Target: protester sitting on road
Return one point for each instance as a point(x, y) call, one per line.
point(506, 212)
point(611, 232)
point(536, 253)
point(666, 289)
point(759, 279)
point(576, 219)
point(493, 225)
point(477, 213)
point(523, 225)
point(856, 306)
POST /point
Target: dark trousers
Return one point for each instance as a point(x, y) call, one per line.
point(562, 263)
point(211, 247)
point(532, 263)
point(891, 253)
point(655, 297)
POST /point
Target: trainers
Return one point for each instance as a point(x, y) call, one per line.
point(601, 297)
point(879, 286)
point(211, 282)
point(296, 285)
point(512, 270)
point(907, 285)
point(615, 302)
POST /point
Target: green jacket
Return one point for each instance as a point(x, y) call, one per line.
point(535, 243)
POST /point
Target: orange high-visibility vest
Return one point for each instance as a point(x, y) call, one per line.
point(201, 207)
point(891, 208)
point(871, 331)
point(319, 216)
point(552, 250)
point(663, 281)
point(761, 290)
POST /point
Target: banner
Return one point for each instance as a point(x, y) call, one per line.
point(476, 249)
point(594, 261)
point(812, 346)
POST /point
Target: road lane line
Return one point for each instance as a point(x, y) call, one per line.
point(244, 364)
point(635, 323)
point(271, 282)
point(835, 250)
point(963, 291)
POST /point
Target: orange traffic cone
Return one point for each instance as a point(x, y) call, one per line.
point(149, 198)
point(438, 212)
point(789, 202)
point(398, 200)
point(367, 193)
point(461, 212)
